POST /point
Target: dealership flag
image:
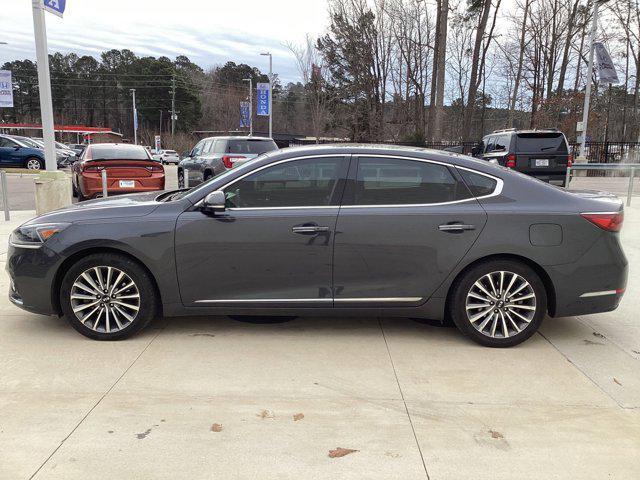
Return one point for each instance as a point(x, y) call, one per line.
point(606, 69)
point(6, 89)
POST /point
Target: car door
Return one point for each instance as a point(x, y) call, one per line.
point(272, 245)
point(403, 226)
point(9, 155)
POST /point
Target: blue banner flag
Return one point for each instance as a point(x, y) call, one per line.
point(263, 99)
point(244, 114)
point(55, 6)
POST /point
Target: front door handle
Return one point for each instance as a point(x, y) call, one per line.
point(455, 227)
point(309, 229)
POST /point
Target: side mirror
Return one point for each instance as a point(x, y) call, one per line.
point(214, 202)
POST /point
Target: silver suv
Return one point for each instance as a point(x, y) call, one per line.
point(214, 155)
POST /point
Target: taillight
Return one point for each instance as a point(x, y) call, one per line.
point(611, 222)
point(511, 161)
point(155, 168)
point(228, 160)
point(570, 161)
point(86, 168)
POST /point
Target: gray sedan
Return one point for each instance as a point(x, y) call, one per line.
point(332, 230)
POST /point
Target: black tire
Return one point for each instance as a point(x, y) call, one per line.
point(463, 285)
point(148, 299)
point(265, 320)
point(180, 179)
point(30, 160)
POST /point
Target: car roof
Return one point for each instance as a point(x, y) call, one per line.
point(237, 137)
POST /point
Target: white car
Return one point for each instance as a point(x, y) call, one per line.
point(167, 156)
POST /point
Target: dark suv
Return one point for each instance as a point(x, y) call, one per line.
point(214, 155)
point(543, 154)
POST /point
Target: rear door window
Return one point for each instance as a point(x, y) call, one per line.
point(490, 143)
point(502, 143)
point(254, 147)
point(396, 181)
point(545, 143)
point(479, 185)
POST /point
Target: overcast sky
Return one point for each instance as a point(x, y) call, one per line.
point(209, 32)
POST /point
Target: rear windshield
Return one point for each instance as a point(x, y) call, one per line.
point(542, 143)
point(117, 152)
point(251, 146)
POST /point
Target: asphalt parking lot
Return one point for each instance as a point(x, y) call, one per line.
point(392, 398)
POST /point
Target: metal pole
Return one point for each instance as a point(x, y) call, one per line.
point(567, 178)
point(250, 107)
point(44, 85)
point(587, 93)
point(173, 104)
point(135, 120)
point(5, 195)
point(270, 96)
point(185, 176)
point(105, 192)
point(630, 191)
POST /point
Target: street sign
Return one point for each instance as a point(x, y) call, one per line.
point(55, 6)
point(263, 99)
point(580, 126)
point(245, 121)
point(158, 144)
point(6, 89)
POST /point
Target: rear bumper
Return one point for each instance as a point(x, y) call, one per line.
point(92, 187)
point(557, 178)
point(593, 284)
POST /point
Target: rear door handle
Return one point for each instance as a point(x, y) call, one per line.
point(455, 227)
point(309, 229)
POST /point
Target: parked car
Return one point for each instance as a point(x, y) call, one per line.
point(214, 155)
point(64, 155)
point(331, 230)
point(78, 148)
point(167, 156)
point(15, 153)
point(543, 154)
point(129, 169)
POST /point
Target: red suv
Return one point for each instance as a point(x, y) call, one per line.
point(129, 169)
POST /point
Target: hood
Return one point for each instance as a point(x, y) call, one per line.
point(133, 205)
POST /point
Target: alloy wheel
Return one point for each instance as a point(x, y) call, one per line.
point(33, 164)
point(105, 299)
point(501, 304)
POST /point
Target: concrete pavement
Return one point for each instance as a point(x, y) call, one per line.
point(415, 402)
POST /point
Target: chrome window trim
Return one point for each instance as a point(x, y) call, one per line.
point(497, 191)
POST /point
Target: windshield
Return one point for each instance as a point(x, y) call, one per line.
point(117, 152)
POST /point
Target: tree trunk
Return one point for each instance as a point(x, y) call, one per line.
point(441, 61)
point(516, 82)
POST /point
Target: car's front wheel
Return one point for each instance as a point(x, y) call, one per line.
point(107, 296)
point(498, 303)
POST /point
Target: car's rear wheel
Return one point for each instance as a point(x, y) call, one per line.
point(34, 163)
point(108, 296)
point(498, 303)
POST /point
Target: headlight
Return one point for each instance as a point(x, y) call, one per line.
point(33, 236)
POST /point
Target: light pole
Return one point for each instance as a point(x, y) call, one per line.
point(270, 92)
point(44, 86)
point(135, 117)
point(250, 80)
point(587, 93)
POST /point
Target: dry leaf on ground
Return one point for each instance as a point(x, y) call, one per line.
point(341, 452)
point(216, 427)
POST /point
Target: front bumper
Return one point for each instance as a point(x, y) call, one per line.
point(32, 276)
